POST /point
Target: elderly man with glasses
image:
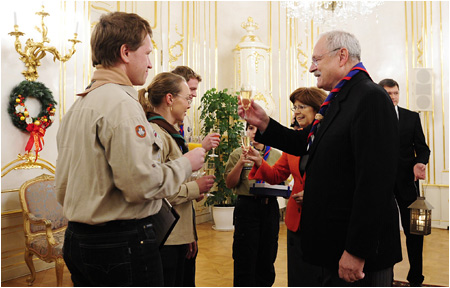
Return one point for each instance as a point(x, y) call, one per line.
point(349, 223)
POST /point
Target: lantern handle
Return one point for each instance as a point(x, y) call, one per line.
point(417, 188)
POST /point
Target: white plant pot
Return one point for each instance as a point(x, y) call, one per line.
point(223, 218)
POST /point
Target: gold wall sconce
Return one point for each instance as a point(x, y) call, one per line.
point(33, 51)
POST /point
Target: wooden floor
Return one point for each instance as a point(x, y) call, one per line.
point(215, 265)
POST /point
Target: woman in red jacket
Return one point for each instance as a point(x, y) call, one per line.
point(306, 102)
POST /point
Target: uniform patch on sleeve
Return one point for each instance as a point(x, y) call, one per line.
point(140, 131)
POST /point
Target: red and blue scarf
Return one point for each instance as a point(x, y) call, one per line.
point(333, 93)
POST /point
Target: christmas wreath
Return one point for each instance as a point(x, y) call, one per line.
point(21, 118)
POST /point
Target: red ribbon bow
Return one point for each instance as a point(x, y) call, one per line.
point(36, 137)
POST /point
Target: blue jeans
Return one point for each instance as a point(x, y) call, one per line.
point(117, 253)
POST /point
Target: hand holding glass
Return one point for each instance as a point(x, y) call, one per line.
point(194, 142)
point(245, 140)
point(246, 95)
point(214, 149)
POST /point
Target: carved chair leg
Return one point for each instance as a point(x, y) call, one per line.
point(29, 260)
point(59, 267)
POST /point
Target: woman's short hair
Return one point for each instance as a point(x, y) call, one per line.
point(114, 30)
point(310, 96)
point(161, 85)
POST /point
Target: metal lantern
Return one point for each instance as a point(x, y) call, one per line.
point(420, 220)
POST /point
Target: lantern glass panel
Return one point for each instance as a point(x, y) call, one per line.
point(420, 221)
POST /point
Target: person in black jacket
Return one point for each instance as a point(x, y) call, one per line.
point(414, 155)
point(349, 222)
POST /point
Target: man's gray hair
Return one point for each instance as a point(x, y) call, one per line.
point(341, 39)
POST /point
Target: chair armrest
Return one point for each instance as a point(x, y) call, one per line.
point(48, 227)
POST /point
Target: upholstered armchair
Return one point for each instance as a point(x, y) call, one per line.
point(44, 224)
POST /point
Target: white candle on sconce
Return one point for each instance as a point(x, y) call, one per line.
point(76, 28)
point(15, 18)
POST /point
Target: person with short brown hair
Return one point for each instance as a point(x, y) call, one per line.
point(187, 73)
point(210, 141)
point(109, 178)
point(192, 79)
point(107, 38)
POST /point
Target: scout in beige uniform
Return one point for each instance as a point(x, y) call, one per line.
point(256, 221)
point(108, 176)
point(186, 130)
point(169, 99)
point(192, 79)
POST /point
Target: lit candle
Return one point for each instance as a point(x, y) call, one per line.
point(15, 18)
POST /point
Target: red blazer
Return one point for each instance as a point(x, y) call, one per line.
point(286, 165)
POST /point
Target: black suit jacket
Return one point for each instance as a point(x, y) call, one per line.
point(413, 150)
point(350, 175)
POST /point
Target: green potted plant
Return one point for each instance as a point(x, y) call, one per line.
point(219, 110)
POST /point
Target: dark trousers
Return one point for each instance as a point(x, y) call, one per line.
point(255, 245)
point(173, 258)
point(300, 273)
point(118, 253)
point(189, 271)
point(414, 245)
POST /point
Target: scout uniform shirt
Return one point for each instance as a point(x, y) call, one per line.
point(106, 168)
point(184, 230)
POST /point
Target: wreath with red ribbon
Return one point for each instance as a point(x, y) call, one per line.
point(22, 119)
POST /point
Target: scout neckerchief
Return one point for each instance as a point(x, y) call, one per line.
point(266, 155)
point(104, 76)
point(182, 129)
point(161, 122)
point(319, 116)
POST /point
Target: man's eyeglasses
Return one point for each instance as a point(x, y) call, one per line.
point(315, 61)
point(299, 107)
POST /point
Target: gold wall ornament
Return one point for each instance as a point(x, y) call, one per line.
point(28, 161)
point(420, 53)
point(33, 51)
point(256, 56)
point(173, 56)
point(304, 63)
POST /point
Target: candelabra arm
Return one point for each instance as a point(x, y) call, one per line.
point(17, 44)
point(57, 55)
point(44, 29)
